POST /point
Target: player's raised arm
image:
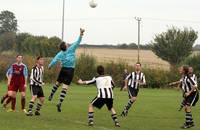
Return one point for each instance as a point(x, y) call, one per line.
point(74, 45)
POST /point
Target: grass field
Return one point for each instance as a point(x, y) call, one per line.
point(154, 110)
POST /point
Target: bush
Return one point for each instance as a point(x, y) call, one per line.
point(86, 69)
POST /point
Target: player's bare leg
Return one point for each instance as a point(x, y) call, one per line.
point(12, 95)
point(7, 100)
point(128, 106)
point(53, 91)
point(5, 96)
point(114, 117)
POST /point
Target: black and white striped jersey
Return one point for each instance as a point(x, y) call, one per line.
point(194, 77)
point(135, 78)
point(188, 83)
point(36, 77)
point(104, 86)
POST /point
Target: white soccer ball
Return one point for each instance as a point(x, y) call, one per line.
point(93, 4)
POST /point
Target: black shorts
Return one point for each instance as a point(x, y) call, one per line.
point(192, 99)
point(100, 102)
point(36, 90)
point(66, 75)
point(132, 92)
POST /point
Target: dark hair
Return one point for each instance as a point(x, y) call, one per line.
point(100, 70)
point(39, 57)
point(63, 46)
point(18, 55)
point(186, 69)
point(138, 63)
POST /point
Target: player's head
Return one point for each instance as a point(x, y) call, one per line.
point(63, 46)
point(185, 70)
point(40, 60)
point(19, 58)
point(138, 66)
point(125, 71)
point(100, 70)
point(191, 70)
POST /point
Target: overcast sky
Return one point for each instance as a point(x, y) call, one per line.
point(112, 22)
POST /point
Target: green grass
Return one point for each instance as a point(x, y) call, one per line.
point(154, 110)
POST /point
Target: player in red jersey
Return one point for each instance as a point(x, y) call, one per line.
point(19, 73)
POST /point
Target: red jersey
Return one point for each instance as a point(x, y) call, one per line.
point(19, 73)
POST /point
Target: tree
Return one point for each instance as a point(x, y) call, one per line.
point(20, 37)
point(174, 45)
point(8, 22)
point(7, 41)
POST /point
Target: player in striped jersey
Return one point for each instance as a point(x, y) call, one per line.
point(179, 83)
point(192, 75)
point(132, 83)
point(105, 95)
point(36, 82)
point(191, 96)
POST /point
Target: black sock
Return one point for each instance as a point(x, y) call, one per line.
point(114, 117)
point(128, 106)
point(62, 96)
point(182, 104)
point(31, 104)
point(38, 107)
point(90, 116)
point(188, 118)
point(54, 89)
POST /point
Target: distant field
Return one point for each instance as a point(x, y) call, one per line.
point(155, 109)
point(147, 57)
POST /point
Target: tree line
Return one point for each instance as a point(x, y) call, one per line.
point(174, 45)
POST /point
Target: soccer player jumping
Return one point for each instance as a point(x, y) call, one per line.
point(132, 83)
point(67, 58)
point(105, 95)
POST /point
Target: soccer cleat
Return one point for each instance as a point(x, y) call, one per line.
point(124, 113)
point(50, 98)
point(29, 113)
point(186, 126)
point(24, 110)
point(37, 113)
point(192, 125)
point(10, 110)
point(90, 123)
point(117, 124)
point(58, 107)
